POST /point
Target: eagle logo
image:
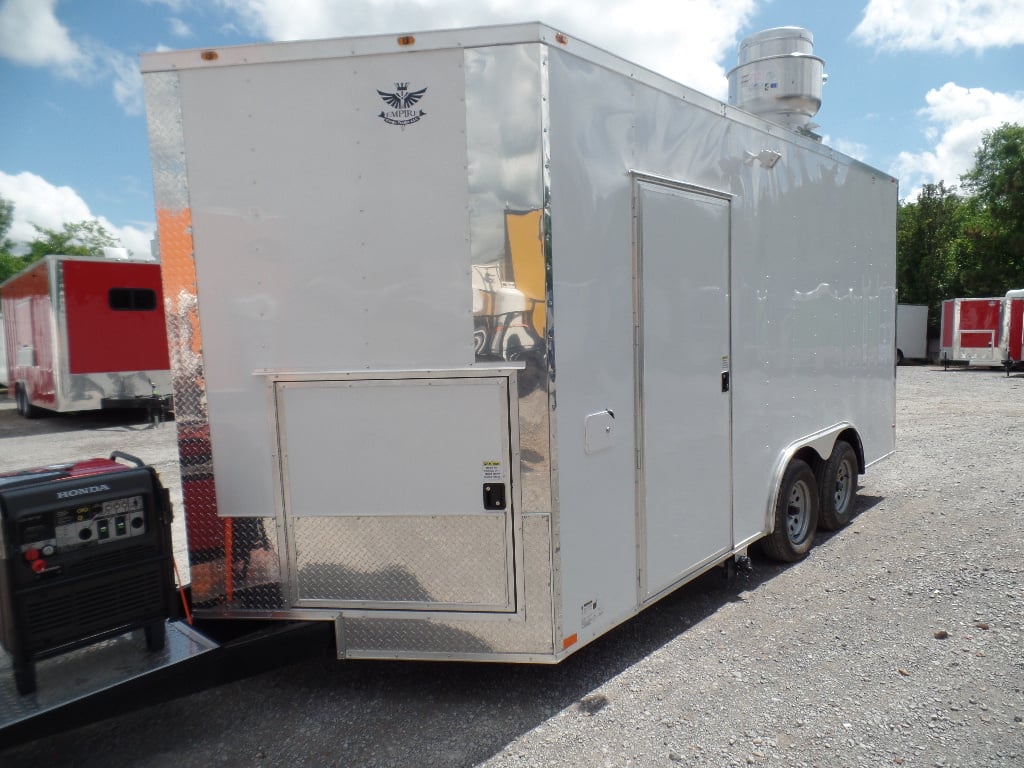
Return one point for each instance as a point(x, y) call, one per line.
point(402, 98)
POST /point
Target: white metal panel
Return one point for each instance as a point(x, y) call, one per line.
point(592, 271)
point(813, 300)
point(683, 307)
point(393, 447)
point(316, 247)
point(912, 330)
point(398, 491)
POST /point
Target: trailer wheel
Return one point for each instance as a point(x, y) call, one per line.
point(796, 515)
point(25, 409)
point(838, 488)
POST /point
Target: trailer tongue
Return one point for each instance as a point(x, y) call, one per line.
point(119, 675)
point(87, 602)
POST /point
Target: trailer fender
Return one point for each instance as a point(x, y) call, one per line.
point(815, 450)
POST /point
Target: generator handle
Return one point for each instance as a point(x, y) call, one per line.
point(127, 457)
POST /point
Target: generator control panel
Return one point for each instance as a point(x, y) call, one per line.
point(83, 525)
point(77, 522)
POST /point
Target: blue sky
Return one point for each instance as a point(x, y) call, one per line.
point(912, 84)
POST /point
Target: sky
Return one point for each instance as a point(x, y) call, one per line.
point(912, 84)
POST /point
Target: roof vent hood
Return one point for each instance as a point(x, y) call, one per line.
point(779, 78)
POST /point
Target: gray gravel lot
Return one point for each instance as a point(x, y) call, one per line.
point(898, 641)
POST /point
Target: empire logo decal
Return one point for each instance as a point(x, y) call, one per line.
point(401, 103)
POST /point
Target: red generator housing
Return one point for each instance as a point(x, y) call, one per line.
point(86, 333)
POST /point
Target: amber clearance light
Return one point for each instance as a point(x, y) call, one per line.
point(209, 55)
point(407, 40)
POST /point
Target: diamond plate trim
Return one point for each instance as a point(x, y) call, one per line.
point(234, 562)
point(456, 561)
point(530, 632)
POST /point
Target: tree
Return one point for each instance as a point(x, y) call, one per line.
point(79, 238)
point(9, 262)
point(998, 174)
point(995, 227)
point(928, 248)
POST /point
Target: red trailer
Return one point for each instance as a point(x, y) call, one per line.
point(86, 333)
point(1013, 328)
point(986, 331)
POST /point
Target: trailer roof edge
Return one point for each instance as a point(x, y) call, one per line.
point(472, 37)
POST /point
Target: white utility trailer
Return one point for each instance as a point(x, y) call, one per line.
point(703, 306)
point(911, 332)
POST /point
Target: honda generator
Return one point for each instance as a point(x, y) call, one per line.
point(85, 554)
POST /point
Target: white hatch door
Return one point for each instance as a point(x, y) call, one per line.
point(397, 492)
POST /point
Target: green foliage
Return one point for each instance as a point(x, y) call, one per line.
point(927, 233)
point(79, 238)
point(6, 219)
point(996, 225)
point(9, 262)
point(972, 244)
point(997, 178)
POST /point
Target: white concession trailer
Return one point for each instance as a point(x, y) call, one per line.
point(484, 340)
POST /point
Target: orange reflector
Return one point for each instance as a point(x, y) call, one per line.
point(561, 39)
point(406, 40)
point(209, 55)
point(570, 640)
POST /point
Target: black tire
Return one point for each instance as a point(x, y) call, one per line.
point(838, 488)
point(899, 357)
point(25, 409)
point(796, 515)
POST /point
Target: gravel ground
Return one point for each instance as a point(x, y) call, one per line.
point(898, 641)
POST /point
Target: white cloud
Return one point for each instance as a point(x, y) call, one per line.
point(957, 117)
point(179, 28)
point(690, 37)
point(127, 82)
point(37, 201)
point(31, 35)
point(944, 25)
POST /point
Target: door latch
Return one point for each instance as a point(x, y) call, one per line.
point(494, 496)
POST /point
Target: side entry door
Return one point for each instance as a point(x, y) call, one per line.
point(682, 310)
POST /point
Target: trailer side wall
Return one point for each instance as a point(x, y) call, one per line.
point(809, 246)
